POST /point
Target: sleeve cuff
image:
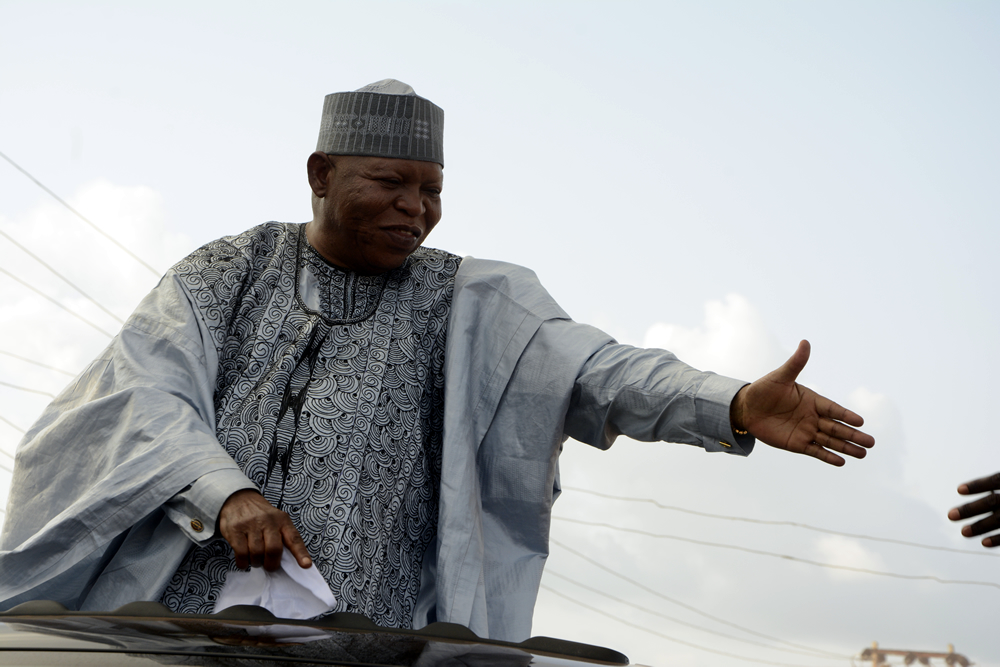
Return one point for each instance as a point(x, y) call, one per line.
point(712, 410)
point(196, 508)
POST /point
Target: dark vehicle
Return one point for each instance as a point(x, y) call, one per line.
point(147, 633)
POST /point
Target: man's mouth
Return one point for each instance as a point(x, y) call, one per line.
point(405, 238)
point(405, 230)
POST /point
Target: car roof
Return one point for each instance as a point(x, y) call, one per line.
point(46, 633)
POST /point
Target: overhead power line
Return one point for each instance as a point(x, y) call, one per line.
point(33, 391)
point(37, 363)
point(813, 653)
point(10, 456)
point(60, 276)
point(79, 215)
point(12, 425)
point(46, 296)
point(895, 575)
point(667, 637)
point(712, 617)
point(793, 524)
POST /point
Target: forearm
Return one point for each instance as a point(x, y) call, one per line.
point(650, 395)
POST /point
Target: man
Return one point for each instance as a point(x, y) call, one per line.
point(389, 414)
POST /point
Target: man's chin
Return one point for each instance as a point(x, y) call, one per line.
point(385, 263)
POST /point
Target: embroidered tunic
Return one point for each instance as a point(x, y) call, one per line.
point(330, 399)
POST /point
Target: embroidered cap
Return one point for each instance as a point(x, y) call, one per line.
point(387, 119)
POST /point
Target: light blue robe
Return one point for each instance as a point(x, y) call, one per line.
point(94, 518)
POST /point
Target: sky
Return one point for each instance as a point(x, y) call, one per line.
point(721, 179)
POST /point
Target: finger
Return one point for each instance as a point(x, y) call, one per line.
point(990, 503)
point(991, 483)
point(970, 510)
point(255, 548)
point(991, 541)
point(238, 542)
point(273, 549)
point(986, 525)
point(843, 432)
point(294, 542)
point(827, 408)
point(824, 455)
point(790, 370)
point(838, 445)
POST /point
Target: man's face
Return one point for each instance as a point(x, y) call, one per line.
point(376, 211)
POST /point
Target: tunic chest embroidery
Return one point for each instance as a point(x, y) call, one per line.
point(353, 365)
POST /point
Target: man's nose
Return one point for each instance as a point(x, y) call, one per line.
point(411, 203)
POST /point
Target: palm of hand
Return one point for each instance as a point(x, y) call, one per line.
point(783, 414)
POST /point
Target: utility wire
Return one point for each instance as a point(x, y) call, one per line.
point(37, 363)
point(79, 215)
point(33, 391)
point(667, 637)
point(780, 523)
point(711, 617)
point(895, 575)
point(13, 426)
point(695, 625)
point(10, 456)
point(60, 276)
point(42, 294)
point(4, 452)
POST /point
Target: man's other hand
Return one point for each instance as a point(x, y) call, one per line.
point(989, 505)
point(258, 532)
point(782, 413)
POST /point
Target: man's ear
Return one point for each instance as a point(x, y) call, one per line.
point(320, 169)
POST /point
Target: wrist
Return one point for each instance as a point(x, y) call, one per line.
point(736, 413)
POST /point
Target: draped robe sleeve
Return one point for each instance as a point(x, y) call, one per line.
point(136, 427)
point(520, 377)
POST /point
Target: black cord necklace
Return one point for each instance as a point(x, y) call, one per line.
point(295, 401)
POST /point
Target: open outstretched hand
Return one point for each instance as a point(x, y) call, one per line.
point(782, 413)
point(988, 505)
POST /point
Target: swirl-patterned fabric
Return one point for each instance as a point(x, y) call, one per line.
point(330, 397)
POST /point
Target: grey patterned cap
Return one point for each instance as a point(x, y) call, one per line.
point(387, 119)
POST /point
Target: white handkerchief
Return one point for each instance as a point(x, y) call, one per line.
point(288, 592)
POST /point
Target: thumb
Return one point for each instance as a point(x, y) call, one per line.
point(790, 370)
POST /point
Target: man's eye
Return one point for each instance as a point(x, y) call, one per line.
point(394, 182)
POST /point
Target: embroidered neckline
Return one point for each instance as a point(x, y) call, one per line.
point(346, 297)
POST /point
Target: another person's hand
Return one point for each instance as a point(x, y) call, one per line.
point(258, 532)
point(989, 505)
point(782, 413)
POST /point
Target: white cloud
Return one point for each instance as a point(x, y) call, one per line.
point(870, 401)
point(847, 552)
point(732, 340)
point(134, 216)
